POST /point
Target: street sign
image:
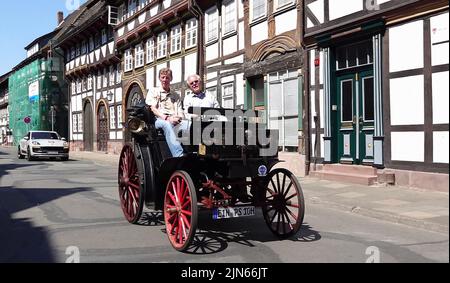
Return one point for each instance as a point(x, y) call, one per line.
point(27, 120)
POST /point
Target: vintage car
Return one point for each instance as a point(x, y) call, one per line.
point(43, 144)
point(230, 180)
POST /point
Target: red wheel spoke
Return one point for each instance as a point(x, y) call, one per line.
point(172, 197)
point(187, 222)
point(185, 212)
point(293, 205)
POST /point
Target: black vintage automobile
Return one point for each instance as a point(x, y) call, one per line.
point(227, 180)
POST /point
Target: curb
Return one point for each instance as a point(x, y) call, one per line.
point(397, 219)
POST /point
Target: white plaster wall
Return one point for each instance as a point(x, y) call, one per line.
point(121, 31)
point(439, 34)
point(286, 22)
point(260, 32)
point(150, 78)
point(440, 147)
point(237, 59)
point(338, 9)
point(190, 65)
point(119, 95)
point(241, 35)
point(317, 8)
point(212, 52)
point(230, 45)
point(407, 100)
point(440, 98)
point(175, 65)
point(240, 89)
point(408, 146)
point(406, 51)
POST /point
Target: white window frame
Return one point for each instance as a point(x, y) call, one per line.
point(104, 36)
point(225, 95)
point(112, 117)
point(150, 50)
point(111, 76)
point(161, 48)
point(139, 56)
point(119, 73)
point(128, 60)
point(105, 78)
point(99, 80)
point(89, 82)
point(288, 3)
point(191, 33)
point(119, 117)
point(254, 17)
point(75, 123)
point(175, 40)
point(83, 84)
point(212, 24)
point(229, 17)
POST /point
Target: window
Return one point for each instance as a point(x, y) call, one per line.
point(73, 88)
point(128, 60)
point(191, 33)
point(91, 44)
point(105, 78)
point(279, 4)
point(72, 53)
point(162, 46)
point(150, 51)
point(99, 80)
point(111, 75)
point(78, 50)
point(104, 36)
point(84, 47)
point(354, 55)
point(139, 56)
point(212, 23)
point(175, 36)
point(258, 9)
point(228, 96)
point(75, 123)
point(118, 73)
point(229, 16)
point(112, 117)
point(132, 7)
point(89, 82)
point(78, 86)
point(83, 84)
point(80, 122)
point(119, 117)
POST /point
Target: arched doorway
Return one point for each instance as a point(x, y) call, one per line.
point(135, 97)
point(88, 128)
point(103, 129)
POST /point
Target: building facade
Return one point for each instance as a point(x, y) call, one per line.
point(37, 90)
point(273, 72)
point(150, 36)
point(5, 133)
point(94, 75)
point(378, 86)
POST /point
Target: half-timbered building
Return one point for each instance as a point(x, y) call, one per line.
point(224, 51)
point(273, 71)
point(151, 35)
point(5, 133)
point(378, 89)
point(94, 74)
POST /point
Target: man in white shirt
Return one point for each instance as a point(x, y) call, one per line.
point(167, 107)
point(198, 98)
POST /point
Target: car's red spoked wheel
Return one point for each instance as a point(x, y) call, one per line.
point(284, 205)
point(130, 186)
point(180, 210)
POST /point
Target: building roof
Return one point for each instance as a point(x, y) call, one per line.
point(4, 77)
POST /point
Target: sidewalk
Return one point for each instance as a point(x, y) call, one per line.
point(418, 208)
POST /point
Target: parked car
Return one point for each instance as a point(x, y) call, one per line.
point(43, 144)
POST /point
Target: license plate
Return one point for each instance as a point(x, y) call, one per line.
point(233, 212)
point(53, 152)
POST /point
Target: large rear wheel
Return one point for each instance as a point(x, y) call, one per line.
point(131, 187)
point(284, 204)
point(181, 211)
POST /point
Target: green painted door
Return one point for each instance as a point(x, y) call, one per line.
point(355, 117)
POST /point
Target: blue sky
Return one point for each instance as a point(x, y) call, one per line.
point(21, 23)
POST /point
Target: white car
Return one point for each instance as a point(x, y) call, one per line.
point(43, 144)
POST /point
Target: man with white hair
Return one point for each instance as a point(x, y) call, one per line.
point(198, 98)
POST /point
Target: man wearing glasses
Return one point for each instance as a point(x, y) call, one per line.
point(198, 98)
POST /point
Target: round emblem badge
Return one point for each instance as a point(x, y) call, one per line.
point(262, 171)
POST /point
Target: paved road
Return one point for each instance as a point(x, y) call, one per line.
point(50, 211)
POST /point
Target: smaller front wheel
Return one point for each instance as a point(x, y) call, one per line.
point(29, 156)
point(181, 211)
